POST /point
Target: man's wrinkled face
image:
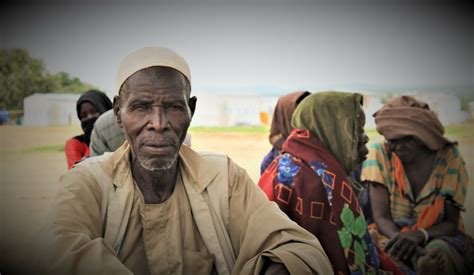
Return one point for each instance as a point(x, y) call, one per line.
point(155, 114)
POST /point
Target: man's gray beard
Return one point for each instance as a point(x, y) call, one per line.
point(150, 167)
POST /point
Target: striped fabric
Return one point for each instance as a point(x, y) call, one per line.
point(449, 179)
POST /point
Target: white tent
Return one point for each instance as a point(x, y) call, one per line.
point(471, 109)
point(232, 109)
point(448, 107)
point(50, 109)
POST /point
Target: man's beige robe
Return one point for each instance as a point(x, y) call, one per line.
point(100, 224)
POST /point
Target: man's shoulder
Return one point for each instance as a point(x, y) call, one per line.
point(191, 153)
point(204, 167)
point(90, 172)
point(212, 155)
point(206, 158)
point(104, 162)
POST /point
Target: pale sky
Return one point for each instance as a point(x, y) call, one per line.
point(285, 44)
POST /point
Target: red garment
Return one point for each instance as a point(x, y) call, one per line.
point(311, 187)
point(75, 151)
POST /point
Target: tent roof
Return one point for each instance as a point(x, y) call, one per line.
point(55, 96)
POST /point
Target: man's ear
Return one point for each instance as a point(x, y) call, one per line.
point(192, 104)
point(118, 116)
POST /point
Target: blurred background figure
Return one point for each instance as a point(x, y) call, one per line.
point(281, 124)
point(106, 135)
point(418, 185)
point(89, 107)
point(4, 116)
point(309, 180)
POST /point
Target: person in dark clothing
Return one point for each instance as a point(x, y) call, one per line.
point(89, 107)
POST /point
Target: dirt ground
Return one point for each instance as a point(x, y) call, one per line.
point(29, 179)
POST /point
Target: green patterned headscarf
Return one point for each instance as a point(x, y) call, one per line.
point(337, 119)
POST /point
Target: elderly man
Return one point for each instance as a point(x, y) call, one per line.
point(156, 207)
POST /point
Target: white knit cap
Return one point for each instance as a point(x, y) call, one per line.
point(149, 57)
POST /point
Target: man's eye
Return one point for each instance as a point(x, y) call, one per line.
point(177, 107)
point(139, 107)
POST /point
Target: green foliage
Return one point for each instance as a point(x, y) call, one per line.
point(22, 76)
point(64, 83)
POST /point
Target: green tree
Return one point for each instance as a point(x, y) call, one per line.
point(64, 83)
point(22, 75)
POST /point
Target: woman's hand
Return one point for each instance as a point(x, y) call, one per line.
point(404, 246)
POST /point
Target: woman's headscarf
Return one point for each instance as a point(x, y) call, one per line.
point(101, 103)
point(97, 98)
point(337, 120)
point(404, 116)
point(281, 121)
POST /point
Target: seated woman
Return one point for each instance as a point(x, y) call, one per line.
point(89, 107)
point(281, 128)
point(418, 185)
point(309, 180)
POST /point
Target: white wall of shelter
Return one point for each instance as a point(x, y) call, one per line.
point(50, 109)
point(224, 110)
point(232, 109)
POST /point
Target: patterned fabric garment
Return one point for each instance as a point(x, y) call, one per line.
point(311, 187)
point(447, 184)
point(268, 159)
point(448, 180)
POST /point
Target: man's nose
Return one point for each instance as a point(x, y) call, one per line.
point(158, 119)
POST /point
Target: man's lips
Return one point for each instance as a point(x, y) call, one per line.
point(159, 147)
point(154, 144)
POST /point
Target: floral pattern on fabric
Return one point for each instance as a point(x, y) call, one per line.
point(354, 235)
point(287, 170)
point(311, 187)
point(320, 170)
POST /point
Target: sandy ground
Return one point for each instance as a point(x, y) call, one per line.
point(29, 179)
